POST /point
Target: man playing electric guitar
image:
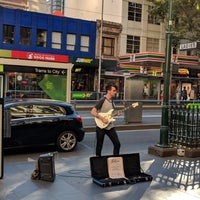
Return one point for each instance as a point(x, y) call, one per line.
point(105, 105)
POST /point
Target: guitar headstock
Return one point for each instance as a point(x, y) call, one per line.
point(135, 104)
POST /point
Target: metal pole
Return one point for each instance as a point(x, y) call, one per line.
point(100, 51)
point(165, 107)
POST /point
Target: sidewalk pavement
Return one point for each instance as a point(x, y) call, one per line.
point(173, 177)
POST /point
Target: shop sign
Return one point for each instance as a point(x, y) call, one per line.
point(84, 60)
point(40, 70)
point(83, 95)
point(183, 71)
point(39, 56)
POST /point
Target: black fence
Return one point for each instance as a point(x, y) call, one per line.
point(184, 125)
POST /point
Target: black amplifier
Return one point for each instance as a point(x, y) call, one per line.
point(46, 167)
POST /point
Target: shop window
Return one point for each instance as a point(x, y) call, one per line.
point(41, 38)
point(71, 42)
point(108, 45)
point(152, 44)
point(25, 36)
point(56, 40)
point(8, 34)
point(133, 44)
point(152, 19)
point(134, 11)
point(85, 43)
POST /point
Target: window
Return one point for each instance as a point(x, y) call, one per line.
point(41, 38)
point(56, 40)
point(133, 44)
point(152, 19)
point(25, 36)
point(152, 44)
point(108, 46)
point(71, 42)
point(31, 110)
point(85, 43)
point(8, 34)
point(134, 11)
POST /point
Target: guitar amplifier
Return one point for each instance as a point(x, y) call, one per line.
point(46, 166)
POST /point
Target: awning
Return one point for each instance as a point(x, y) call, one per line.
point(156, 59)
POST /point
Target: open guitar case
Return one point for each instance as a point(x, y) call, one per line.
point(131, 167)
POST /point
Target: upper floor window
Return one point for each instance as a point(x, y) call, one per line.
point(25, 36)
point(153, 44)
point(134, 11)
point(71, 42)
point(41, 38)
point(133, 44)
point(85, 43)
point(152, 19)
point(108, 46)
point(56, 40)
point(8, 34)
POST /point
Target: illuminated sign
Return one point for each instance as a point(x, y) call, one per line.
point(82, 95)
point(39, 56)
point(78, 69)
point(183, 71)
point(84, 60)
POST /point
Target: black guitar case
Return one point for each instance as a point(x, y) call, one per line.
point(131, 167)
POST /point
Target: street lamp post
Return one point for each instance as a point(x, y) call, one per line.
point(100, 51)
point(166, 72)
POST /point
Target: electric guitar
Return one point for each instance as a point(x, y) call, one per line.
point(109, 115)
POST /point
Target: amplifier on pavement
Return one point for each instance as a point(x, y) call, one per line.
point(46, 167)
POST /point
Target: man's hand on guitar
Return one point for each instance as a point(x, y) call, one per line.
point(102, 118)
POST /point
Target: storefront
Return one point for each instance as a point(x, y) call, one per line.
point(147, 74)
point(85, 78)
point(36, 74)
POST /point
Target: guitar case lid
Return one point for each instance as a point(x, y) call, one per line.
point(131, 167)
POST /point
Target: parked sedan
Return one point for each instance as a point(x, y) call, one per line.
point(42, 122)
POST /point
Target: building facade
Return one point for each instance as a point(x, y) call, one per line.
point(36, 51)
point(125, 32)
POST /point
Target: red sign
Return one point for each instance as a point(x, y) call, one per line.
point(39, 56)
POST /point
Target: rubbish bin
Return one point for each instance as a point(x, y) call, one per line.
point(133, 114)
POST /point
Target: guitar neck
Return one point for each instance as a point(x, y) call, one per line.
point(124, 109)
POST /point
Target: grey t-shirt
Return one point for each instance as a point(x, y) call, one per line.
point(104, 105)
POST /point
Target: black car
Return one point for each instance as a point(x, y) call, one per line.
point(42, 122)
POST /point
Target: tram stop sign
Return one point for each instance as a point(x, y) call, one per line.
point(1, 137)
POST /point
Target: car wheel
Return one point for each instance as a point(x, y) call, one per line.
point(66, 141)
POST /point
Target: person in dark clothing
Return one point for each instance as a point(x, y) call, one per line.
point(8, 96)
point(106, 126)
point(184, 94)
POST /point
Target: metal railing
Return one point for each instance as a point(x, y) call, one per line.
point(184, 125)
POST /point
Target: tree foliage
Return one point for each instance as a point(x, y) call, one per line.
point(186, 17)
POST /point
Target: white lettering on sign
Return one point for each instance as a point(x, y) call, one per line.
point(84, 60)
point(192, 45)
point(50, 71)
point(38, 56)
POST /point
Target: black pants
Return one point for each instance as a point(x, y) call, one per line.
point(100, 133)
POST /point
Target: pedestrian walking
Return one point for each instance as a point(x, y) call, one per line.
point(102, 112)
